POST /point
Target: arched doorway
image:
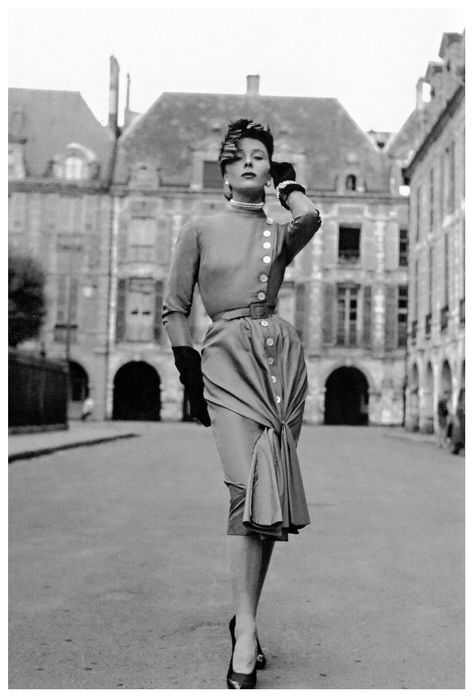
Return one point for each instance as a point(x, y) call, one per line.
point(347, 397)
point(426, 419)
point(137, 393)
point(446, 383)
point(78, 389)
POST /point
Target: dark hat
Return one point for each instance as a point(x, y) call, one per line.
point(243, 128)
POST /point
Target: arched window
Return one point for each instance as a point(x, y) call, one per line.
point(74, 167)
point(75, 162)
point(351, 182)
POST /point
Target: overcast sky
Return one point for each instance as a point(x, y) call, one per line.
point(370, 59)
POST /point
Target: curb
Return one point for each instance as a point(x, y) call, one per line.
point(23, 455)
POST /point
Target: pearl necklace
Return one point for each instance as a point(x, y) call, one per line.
point(247, 206)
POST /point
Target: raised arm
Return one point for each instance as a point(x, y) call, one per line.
point(306, 219)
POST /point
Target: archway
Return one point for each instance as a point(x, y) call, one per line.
point(346, 397)
point(426, 402)
point(412, 421)
point(446, 383)
point(137, 393)
point(78, 389)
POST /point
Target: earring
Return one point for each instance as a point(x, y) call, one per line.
point(269, 182)
point(226, 181)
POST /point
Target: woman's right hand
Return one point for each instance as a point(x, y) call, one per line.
point(188, 363)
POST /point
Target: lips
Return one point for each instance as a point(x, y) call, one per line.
point(249, 175)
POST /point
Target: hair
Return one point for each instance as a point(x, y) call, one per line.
point(243, 128)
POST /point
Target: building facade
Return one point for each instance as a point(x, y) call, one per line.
point(106, 241)
point(436, 355)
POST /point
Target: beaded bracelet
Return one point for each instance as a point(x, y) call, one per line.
point(286, 188)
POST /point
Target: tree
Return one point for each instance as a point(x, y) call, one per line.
point(26, 298)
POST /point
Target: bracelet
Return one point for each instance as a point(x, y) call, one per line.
point(286, 188)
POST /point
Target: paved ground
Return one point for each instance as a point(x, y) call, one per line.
point(118, 575)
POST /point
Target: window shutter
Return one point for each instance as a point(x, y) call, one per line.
point(391, 317)
point(211, 175)
point(329, 244)
point(367, 317)
point(163, 241)
point(120, 324)
point(158, 328)
point(328, 313)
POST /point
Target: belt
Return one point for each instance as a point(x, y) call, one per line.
point(253, 310)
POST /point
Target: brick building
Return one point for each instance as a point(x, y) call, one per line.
point(437, 241)
point(346, 292)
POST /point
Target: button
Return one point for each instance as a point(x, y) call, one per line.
point(261, 296)
point(264, 323)
point(263, 278)
point(269, 221)
point(267, 245)
point(267, 233)
point(271, 360)
point(267, 259)
point(269, 342)
point(274, 380)
point(278, 398)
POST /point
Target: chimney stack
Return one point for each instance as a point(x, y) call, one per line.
point(113, 94)
point(419, 95)
point(253, 85)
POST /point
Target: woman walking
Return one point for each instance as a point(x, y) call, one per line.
point(252, 383)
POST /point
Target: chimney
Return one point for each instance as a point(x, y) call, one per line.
point(419, 95)
point(113, 93)
point(253, 85)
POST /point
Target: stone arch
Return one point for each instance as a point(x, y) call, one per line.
point(79, 389)
point(346, 397)
point(137, 392)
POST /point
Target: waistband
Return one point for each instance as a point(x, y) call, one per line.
point(253, 310)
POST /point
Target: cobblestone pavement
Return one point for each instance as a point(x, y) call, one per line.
point(118, 572)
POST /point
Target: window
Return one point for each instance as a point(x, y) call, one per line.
point(142, 240)
point(140, 310)
point(349, 243)
point(403, 247)
point(301, 310)
point(402, 315)
point(451, 171)
point(66, 308)
point(347, 302)
point(351, 183)
point(74, 167)
point(417, 213)
point(446, 270)
point(211, 175)
point(431, 199)
point(430, 279)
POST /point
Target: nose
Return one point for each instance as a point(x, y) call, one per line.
point(248, 160)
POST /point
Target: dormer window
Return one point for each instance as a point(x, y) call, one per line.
point(351, 182)
point(75, 163)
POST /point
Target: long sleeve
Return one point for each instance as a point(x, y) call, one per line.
point(300, 231)
point(179, 287)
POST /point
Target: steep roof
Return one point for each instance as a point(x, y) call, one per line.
point(319, 128)
point(51, 120)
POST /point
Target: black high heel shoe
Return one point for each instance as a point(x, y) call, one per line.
point(261, 659)
point(234, 679)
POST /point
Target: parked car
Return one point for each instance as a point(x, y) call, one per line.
point(455, 432)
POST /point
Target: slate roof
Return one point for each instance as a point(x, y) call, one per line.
point(53, 119)
point(320, 128)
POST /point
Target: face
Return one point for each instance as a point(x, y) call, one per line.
point(250, 171)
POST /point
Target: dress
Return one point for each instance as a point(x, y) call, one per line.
point(254, 371)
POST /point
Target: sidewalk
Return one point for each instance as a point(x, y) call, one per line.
point(413, 436)
point(21, 446)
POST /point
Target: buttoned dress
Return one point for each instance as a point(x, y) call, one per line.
point(254, 371)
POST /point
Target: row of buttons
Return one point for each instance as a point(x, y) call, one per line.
point(269, 341)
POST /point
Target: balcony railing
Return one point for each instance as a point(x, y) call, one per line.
point(414, 330)
point(462, 311)
point(349, 256)
point(444, 318)
point(428, 326)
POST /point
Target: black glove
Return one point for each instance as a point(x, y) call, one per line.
point(188, 363)
point(282, 171)
point(285, 172)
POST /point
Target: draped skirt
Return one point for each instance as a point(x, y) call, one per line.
point(255, 383)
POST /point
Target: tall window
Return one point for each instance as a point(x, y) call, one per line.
point(301, 310)
point(347, 302)
point(211, 175)
point(140, 310)
point(446, 271)
point(351, 182)
point(74, 167)
point(349, 243)
point(402, 315)
point(417, 213)
point(431, 199)
point(451, 171)
point(142, 240)
point(403, 247)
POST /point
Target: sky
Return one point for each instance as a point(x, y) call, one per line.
point(369, 59)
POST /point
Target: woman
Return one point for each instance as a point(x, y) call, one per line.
point(252, 364)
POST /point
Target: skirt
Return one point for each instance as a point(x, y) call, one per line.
point(255, 383)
